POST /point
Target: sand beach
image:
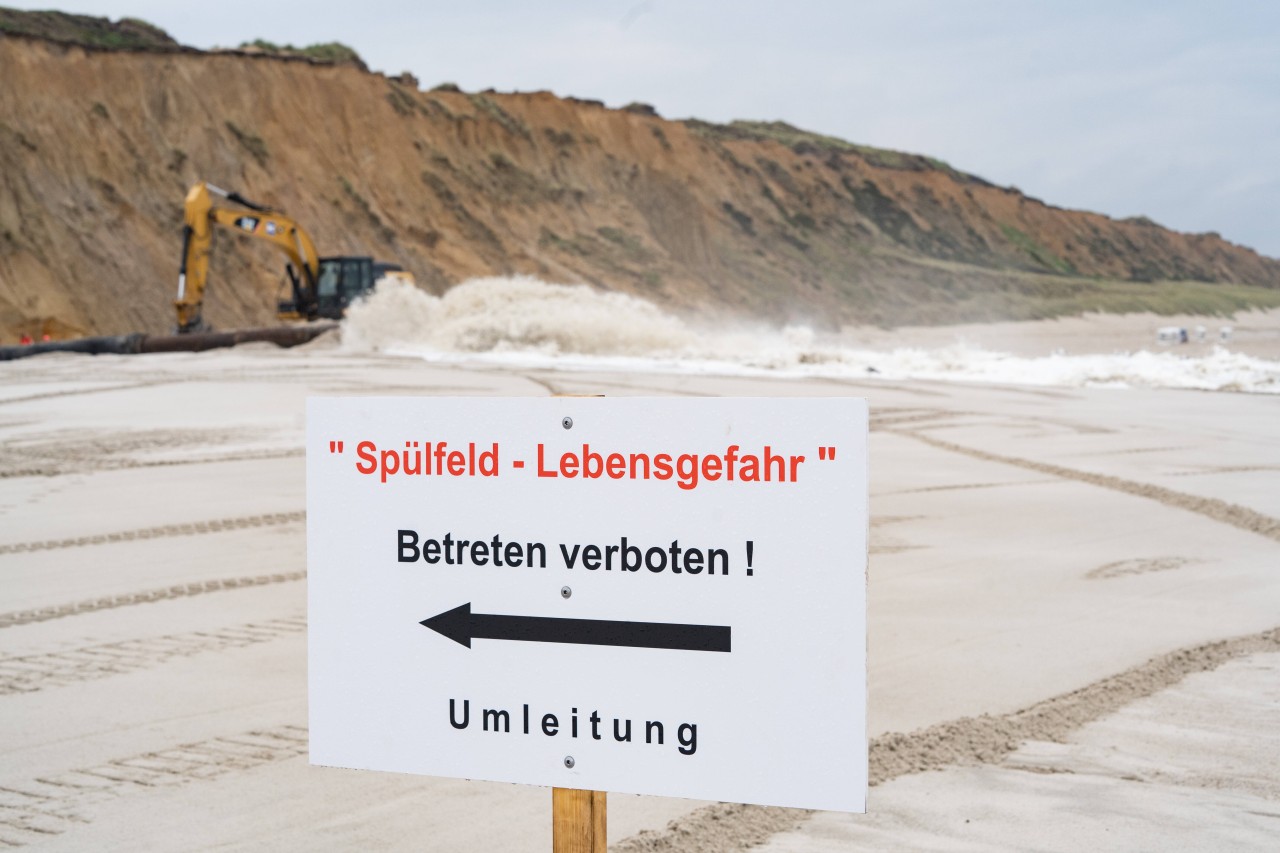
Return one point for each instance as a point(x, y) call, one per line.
point(1074, 615)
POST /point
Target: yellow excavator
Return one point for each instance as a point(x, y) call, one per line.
point(320, 287)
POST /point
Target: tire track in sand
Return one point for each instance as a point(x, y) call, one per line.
point(1139, 566)
point(50, 805)
point(56, 469)
point(1218, 510)
point(53, 804)
point(103, 389)
point(32, 673)
point(965, 741)
point(88, 605)
point(194, 528)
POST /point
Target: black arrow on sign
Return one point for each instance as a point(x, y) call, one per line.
point(462, 626)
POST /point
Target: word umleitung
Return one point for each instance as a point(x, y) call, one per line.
point(549, 725)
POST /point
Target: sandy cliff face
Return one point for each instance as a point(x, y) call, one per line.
point(97, 149)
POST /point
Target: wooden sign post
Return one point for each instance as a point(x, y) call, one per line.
point(578, 821)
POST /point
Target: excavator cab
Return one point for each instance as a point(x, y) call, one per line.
point(339, 282)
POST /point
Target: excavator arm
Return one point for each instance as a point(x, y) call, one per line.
point(200, 217)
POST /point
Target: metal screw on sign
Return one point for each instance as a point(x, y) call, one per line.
point(565, 592)
point(569, 762)
point(567, 423)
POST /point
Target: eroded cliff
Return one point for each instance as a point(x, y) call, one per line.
point(97, 149)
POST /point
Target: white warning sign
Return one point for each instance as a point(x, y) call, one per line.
point(657, 596)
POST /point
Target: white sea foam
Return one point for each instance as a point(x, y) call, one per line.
point(525, 322)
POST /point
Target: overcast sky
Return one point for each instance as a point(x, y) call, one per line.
point(1168, 109)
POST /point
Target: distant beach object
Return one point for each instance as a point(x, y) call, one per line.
point(1201, 331)
point(1171, 335)
point(1224, 333)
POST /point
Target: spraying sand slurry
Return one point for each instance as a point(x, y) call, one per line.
point(154, 682)
point(522, 321)
point(504, 314)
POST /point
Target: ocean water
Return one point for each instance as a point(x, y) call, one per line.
point(524, 322)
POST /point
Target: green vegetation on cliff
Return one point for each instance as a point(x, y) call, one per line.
point(124, 34)
point(807, 142)
point(330, 51)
